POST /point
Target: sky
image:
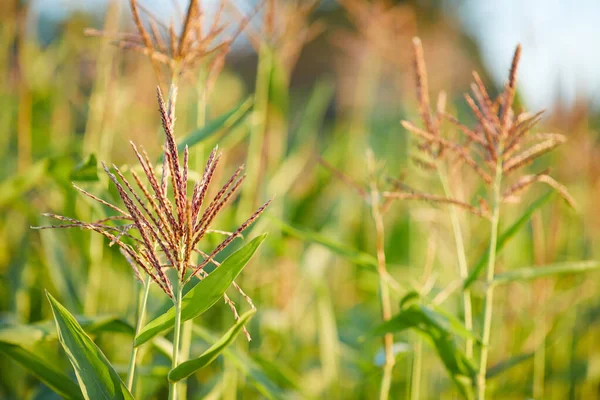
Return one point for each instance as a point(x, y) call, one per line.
point(559, 38)
point(560, 45)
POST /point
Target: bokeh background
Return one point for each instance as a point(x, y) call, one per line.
point(346, 86)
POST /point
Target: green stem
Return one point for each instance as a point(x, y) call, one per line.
point(141, 316)
point(258, 151)
point(386, 307)
point(186, 332)
point(176, 336)
point(184, 354)
point(539, 360)
point(386, 381)
point(463, 269)
point(489, 293)
point(415, 384)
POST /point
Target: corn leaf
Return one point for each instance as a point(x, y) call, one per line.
point(535, 272)
point(28, 335)
point(219, 125)
point(421, 316)
point(272, 77)
point(205, 293)
point(44, 370)
point(505, 237)
point(96, 376)
point(316, 108)
point(86, 170)
point(14, 188)
point(505, 365)
point(440, 330)
point(247, 366)
point(281, 375)
point(187, 368)
point(352, 255)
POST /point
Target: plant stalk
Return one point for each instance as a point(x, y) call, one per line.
point(258, 151)
point(176, 337)
point(415, 384)
point(186, 332)
point(463, 268)
point(386, 308)
point(141, 316)
point(489, 292)
point(539, 361)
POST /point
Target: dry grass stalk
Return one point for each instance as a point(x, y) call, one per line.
point(156, 232)
point(361, 191)
point(434, 199)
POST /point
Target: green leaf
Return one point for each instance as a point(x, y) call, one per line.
point(422, 317)
point(440, 330)
point(87, 170)
point(340, 249)
point(409, 298)
point(505, 237)
point(535, 272)
point(187, 368)
point(278, 83)
point(316, 108)
point(221, 124)
point(106, 323)
point(280, 374)
point(448, 322)
point(507, 364)
point(206, 292)
point(411, 317)
point(96, 376)
point(457, 364)
point(27, 335)
point(14, 188)
point(247, 366)
point(47, 373)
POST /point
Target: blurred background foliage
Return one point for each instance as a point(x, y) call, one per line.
point(67, 99)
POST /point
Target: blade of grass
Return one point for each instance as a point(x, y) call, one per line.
point(347, 252)
point(219, 125)
point(419, 316)
point(536, 272)
point(505, 365)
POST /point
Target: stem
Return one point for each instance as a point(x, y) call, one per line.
point(415, 384)
point(539, 362)
point(463, 269)
point(184, 354)
point(489, 293)
point(386, 308)
point(258, 151)
point(141, 316)
point(186, 332)
point(176, 335)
